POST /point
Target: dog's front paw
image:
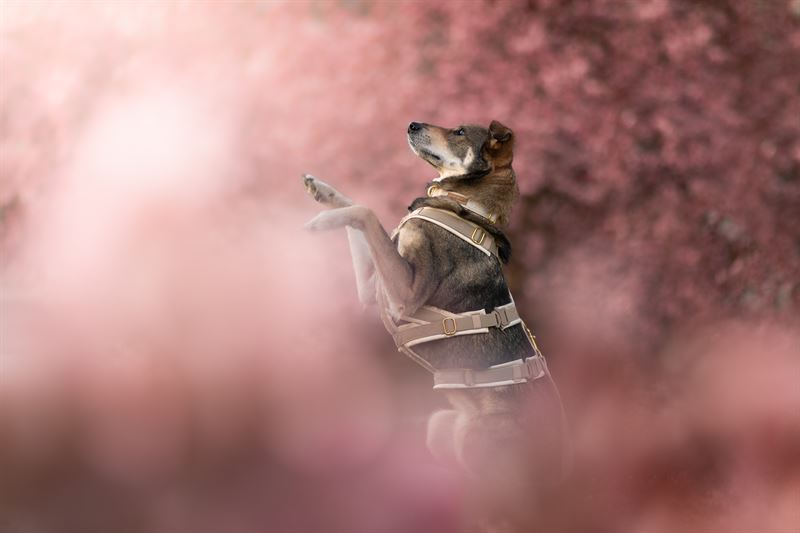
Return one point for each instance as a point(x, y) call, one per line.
point(324, 193)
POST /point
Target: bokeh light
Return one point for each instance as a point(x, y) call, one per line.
point(178, 355)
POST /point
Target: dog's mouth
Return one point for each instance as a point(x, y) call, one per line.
point(431, 155)
point(426, 155)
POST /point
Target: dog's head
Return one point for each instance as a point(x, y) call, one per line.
point(465, 151)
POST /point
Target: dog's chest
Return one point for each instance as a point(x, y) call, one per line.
point(465, 279)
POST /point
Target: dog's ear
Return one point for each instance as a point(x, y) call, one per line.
point(499, 133)
point(499, 147)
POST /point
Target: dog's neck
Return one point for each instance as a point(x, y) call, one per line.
point(490, 196)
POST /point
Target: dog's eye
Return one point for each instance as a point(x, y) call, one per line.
point(459, 131)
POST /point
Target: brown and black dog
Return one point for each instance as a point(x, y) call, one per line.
point(509, 437)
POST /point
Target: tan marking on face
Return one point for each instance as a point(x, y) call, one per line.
point(469, 158)
point(449, 164)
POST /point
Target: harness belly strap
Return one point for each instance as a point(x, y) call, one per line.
point(437, 324)
point(519, 371)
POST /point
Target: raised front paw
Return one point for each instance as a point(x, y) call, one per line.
point(324, 193)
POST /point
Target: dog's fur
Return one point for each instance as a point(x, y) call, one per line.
point(509, 437)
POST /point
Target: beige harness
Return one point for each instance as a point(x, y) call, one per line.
point(430, 323)
point(461, 228)
point(436, 190)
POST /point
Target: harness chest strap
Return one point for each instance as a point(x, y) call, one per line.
point(463, 229)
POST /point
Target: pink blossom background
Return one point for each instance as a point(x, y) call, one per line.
point(178, 355)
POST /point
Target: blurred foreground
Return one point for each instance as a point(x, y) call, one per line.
point(177, 355)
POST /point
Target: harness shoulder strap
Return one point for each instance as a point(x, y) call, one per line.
point(463, 229)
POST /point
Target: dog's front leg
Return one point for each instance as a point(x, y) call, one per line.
point(396, 274)
point(363, 266)
point(441, 438)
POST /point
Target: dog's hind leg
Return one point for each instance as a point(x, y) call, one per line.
point(441, 439)
point(491, 448)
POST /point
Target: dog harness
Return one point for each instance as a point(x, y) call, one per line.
point(464, 200)
point(429, 323)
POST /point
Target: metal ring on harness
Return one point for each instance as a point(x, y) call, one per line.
point(449, 331)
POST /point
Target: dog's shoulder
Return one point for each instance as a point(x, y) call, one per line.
point(419, 239)
point(503, 244)
point(412, 236)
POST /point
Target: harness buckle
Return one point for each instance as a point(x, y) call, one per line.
point(449, 331)
point(478, 235)
point(502, 317)
point(521, 372)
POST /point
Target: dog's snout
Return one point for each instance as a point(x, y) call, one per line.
point(414, 126)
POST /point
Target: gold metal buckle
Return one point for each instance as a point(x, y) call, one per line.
point(475, 237)
point(532, 338)
point(447, 331)
point(431, 189)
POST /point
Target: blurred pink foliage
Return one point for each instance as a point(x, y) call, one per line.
point(179, 356)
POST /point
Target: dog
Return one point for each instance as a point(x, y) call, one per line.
point(443, 288)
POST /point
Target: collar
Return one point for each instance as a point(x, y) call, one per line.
point(464, 200)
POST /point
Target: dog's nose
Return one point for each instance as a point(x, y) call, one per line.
point(414, 126)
